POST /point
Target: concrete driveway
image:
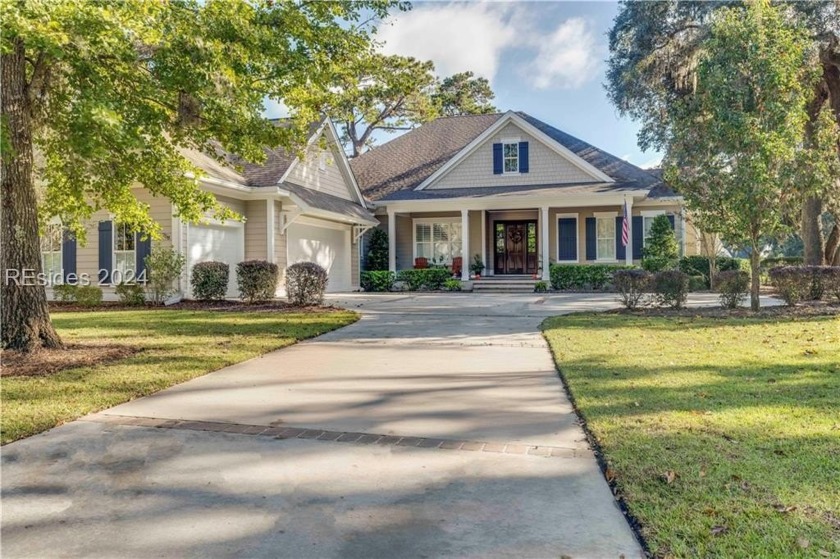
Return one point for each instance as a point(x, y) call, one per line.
point(436, 426)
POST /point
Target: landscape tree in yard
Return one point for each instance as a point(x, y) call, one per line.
point(655, 47)
point(99, 96)
point(390, 93)
point(377, 254)
point(735, 147)
point(661, 250)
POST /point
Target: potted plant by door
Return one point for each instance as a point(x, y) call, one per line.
point(477, 266)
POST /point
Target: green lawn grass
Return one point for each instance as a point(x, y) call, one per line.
point(745, 412)
point(177, 346)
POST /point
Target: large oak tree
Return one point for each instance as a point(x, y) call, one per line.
point(98, 96)
point(655, 48)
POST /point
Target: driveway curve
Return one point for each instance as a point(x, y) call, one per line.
point(436, 426)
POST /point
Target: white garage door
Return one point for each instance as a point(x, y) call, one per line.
point(326, 246)
point(220, 243)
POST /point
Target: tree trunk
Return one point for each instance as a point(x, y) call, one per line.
point(755, 276)
point(832, 244)
point(811, 231)
point(25, 316)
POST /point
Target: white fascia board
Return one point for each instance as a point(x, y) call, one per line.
point(511, 116)
point(513, 203)
point(345, 164)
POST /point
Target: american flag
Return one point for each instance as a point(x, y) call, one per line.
point(625, 227)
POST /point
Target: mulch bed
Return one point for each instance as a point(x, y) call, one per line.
point(190, 305)
point(43, 362)
point(802, 310)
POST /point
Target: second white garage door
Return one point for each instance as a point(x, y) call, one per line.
point(329, 246)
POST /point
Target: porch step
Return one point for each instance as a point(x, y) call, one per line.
point(503, 285)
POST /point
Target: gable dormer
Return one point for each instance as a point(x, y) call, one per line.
point(513, 153)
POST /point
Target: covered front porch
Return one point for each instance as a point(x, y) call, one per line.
point(522, 239)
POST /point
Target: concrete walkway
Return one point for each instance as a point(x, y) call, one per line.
point(434, 427)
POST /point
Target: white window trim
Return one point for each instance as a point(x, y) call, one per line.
point(605, 215)
point(431, 220)
point(511, 141)
point(577, 229)
point(55, 221)
point(648, 214)
point(114, 251)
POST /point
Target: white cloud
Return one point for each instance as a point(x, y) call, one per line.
point(474, 36)
point(457, 37)
point(567, 58)
point(652, 163)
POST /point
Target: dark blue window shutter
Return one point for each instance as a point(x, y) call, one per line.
point(673, 223)
point(567, 241)
point(497, 159)
point(523, 157)
point(620, 249)
point(68, 257)
point(638, 236)
point(142, 249)
point(106, 250)
point(591, 250)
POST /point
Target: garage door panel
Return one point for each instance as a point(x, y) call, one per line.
point(326, 246)
point(220, 243)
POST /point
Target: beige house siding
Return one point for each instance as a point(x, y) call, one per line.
point(330, 179)
point(545, 166)
point(256, 230)
point(87, 255)
point(355, 268)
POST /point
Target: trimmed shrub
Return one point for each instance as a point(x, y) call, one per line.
point(65, 292)
point(88, 295)
point(130, 293)
point(540, 287)
point(697, 283)
point(209, 280)
point(452, 284)
point(631, 286)
point(582, 276)
point(792, 283)
point(257, 280)
point(699, 265)
point(832, 282)
point(776, 261)
point(376, 259)
point(428, 278)
point(819, 275)
point(377, 281)
point(655, 264)
point(671, 288)
point(733, 286)
point(306, 283)
point(163, 267)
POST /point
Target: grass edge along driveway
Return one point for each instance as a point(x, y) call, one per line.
point(176, 346)
point(721, 435)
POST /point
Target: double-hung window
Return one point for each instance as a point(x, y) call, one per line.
point(605, 234)
point(125, 254)
point(51, 242)
point(510, 154)
point(437, 240)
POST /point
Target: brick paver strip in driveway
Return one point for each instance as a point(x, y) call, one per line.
point(434, 427)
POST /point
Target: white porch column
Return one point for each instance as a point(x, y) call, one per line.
point(269, 217)
point(465, 245)
point(544, 242)
point(392, 240)
point(484, 239)
point(628, 250)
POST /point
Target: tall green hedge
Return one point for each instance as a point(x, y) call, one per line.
point(429, 278)
point(583, 276)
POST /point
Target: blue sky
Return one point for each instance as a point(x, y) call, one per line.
point(544, 58)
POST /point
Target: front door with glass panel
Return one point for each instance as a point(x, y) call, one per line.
point(515, 247)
